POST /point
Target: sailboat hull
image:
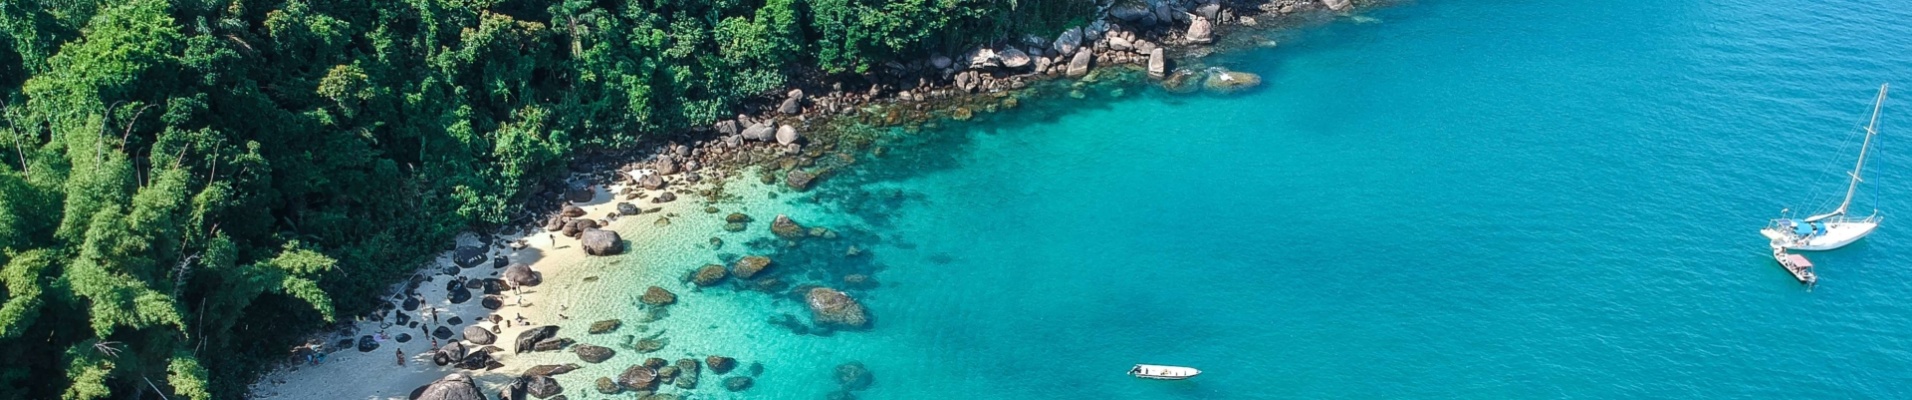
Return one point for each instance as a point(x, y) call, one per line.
point(1837, 234)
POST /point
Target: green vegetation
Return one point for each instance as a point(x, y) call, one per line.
point(190, 185)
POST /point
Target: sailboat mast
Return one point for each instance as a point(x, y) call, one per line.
point(1872, 128)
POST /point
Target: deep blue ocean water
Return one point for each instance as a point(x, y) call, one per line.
point(1452, 199)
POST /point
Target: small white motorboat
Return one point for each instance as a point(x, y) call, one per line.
point(1168, 372)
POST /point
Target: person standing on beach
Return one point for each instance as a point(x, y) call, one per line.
point(401, 357)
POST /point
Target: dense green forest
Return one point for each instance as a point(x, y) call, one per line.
point(190, 185)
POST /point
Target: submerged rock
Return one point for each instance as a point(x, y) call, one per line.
point(550, 369)
point(737, 383)
point(720, 364)
point(750, 266)
point(593, 353)
point(605, 326)
point(688, 373)
point(607, 386)
point(638, 377)
point(786, 228)
point(657, 296)
point(709, 275)
point(1221, 81)
point(799, 179)
point(853, 376)
point(552, 344)
point(831, 307)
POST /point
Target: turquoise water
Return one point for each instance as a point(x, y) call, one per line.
point(1459, 199)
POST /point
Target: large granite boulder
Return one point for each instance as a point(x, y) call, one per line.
point(749, 266)
point(476, 360)
point(442, 333)
point(366, 343)
point(627, 209)
point(1013, 58)
point(709, 275)
point(456, 386)
point(478, 335)
point(787, 134)
point(1079, 65)
point(1200, 31)
point(593, 353)
point(601, 242)
point(542, 386)
point(572, 211)
point(1338, 5)
point(522, 275)
point(449, 353)
point(831, 307)
point(529, 339)
point(1130, 10)
point(657, 296)
point(1158, 64)
point(577, 226)
point(762, 132)
point(468, 256)
point(1068, 41)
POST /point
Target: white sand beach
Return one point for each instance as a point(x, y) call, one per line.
point(350, 374)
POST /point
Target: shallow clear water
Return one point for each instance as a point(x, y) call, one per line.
point(1465, 199)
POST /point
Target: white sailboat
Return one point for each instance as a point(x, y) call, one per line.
point(1836, 228)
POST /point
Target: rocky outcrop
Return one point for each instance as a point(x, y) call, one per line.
point(529, 339)
point(1338, 5)
point(593, 353)
point(477, 360)
point(657, 296)
point(601, 242)
point(709, 275)
point(831, 307)
point(749, 266)
point(478, 335)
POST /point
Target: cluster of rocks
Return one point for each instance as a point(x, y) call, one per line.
point(645, 379)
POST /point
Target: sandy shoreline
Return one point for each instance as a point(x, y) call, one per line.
point(350, 374)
